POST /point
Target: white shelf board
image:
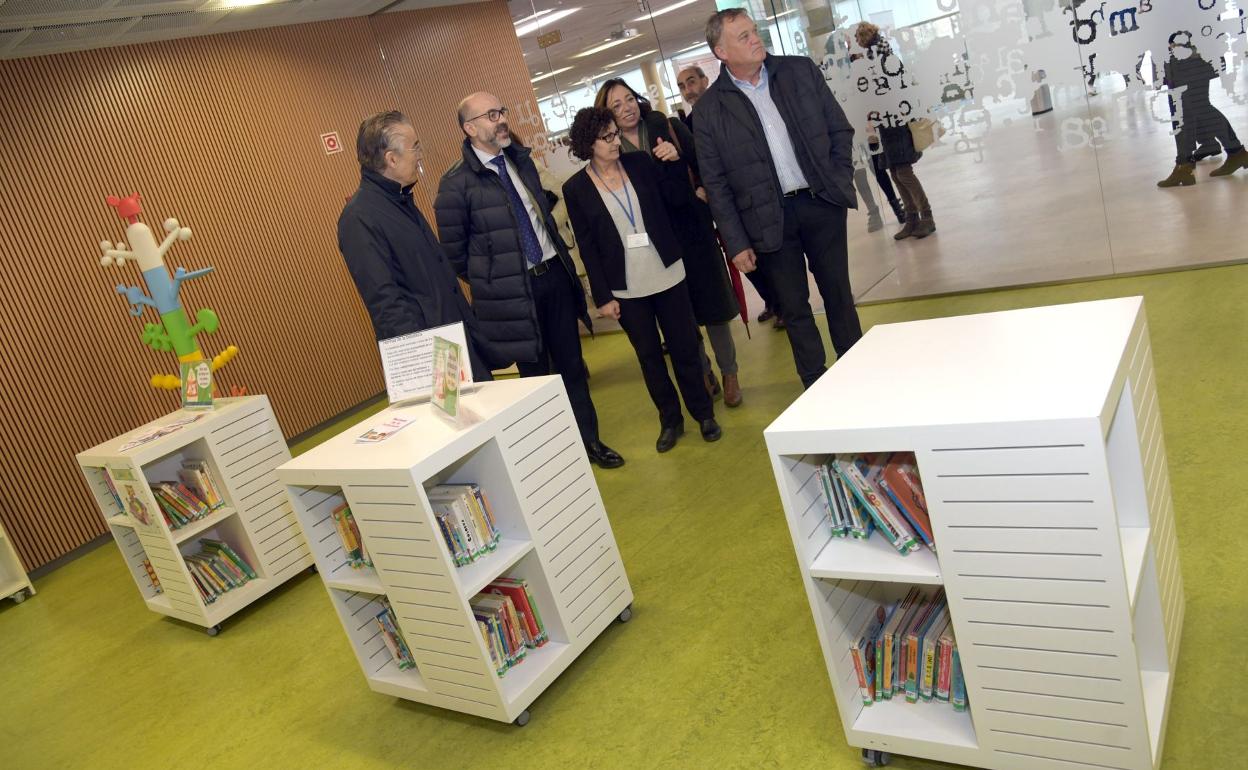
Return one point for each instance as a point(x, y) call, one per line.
point(121, 520)
point(932, 721)
point(1155, 685)
point(874, 559)
point(395, 681)
point(1134, 551)
point(208, 522)
point(160, 602)
point(362, 581)
point(473, 577)
point(520, 677)
point(10, 587)
point(235, 599)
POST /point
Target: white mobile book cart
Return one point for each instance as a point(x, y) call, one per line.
point(241, 443)
point(14, 584)
point(1039, 443)
point(527, 456)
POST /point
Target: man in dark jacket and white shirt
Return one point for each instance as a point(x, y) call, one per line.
point(395, 259)
point(495, 223)
point(774, 150)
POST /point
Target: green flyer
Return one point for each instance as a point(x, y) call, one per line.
point(196, 385)
point(446, 376)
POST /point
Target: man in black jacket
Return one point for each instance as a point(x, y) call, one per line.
point(496, 227)
point(394, 258)
point(774, 150)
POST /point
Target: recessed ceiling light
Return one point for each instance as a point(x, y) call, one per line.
point(692, 47)
point(244, 3)
point(634, 56)
point(664, 10)
point(518, 22)
point(605, 46)
point(550, 74)
point(778, 15)
point(545, 21)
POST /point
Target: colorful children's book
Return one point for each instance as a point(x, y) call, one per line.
point(862, 651)
point(899, 479)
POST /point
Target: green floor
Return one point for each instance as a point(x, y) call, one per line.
point(720, 666)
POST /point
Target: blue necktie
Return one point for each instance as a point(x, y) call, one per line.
point(529, 244)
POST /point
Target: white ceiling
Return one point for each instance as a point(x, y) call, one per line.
point(593, 24)
point(38, 27)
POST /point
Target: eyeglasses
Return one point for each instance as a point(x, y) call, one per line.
point(610, 136)
point(493, 115)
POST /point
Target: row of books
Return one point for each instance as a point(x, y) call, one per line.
point(466, 521)
point(398, 648)
point(189, 499)
point(217, 569)
point(509, 621)
point(349, 534)
point(909, 651)
point(877, 492)
point(151, 576)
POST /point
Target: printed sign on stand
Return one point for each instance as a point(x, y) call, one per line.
point(408, 361)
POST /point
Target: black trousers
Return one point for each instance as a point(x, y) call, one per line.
point(672, 311)
point(814, 235)
point(554, 299)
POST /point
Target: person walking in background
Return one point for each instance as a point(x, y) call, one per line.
point(1202, 124)
point(775, 152)
point(693, 82)
point(644, 129)
point(395, 260)
point(632, 256)
point(896, 143)
point(495, 223)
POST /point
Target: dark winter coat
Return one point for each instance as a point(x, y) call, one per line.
point(397, 264)
point(735, 162)
point(710, 288)
point(482, 241)
point(597, 238)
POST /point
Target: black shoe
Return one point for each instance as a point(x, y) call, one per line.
point(766, 315)
point(603, 455)
point(711, 430)
point(668, 436)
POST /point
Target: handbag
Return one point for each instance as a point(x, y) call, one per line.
point(925, 132)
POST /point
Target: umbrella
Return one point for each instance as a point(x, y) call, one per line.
point(737, 288)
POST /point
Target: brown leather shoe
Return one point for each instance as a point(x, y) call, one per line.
point(1234, 162)
point(1184, 175)
point(732, 390)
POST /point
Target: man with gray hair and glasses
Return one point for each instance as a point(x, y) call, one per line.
point(399, 268)
point(774, 149)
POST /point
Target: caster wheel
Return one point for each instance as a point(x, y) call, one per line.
point(19, 597)
point(626, 614)
point(214, 630)
point(523, 719)
point(875, 758)
point(312, 569)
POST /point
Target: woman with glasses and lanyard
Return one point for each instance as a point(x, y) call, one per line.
point(633, 258)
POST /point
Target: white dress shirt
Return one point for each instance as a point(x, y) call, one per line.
point(778, 141)
point(535, 216)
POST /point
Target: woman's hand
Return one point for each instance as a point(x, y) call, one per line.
point(664, 150)
point(701, 193)
point(610, 310)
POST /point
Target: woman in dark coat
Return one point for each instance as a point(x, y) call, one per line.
point(898, 151)
point(633, 257)
point(670, 141)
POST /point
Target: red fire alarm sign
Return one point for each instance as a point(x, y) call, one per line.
point(331, 143)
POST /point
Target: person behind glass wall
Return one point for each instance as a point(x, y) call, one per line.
point(897, 144)
point(775, 150)
point(693, 82)
point(644, 129)
point(633, 257)
point(1203, 127)
point(393, 256)
point(495, 223)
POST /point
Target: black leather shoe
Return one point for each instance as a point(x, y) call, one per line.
point(603, 455)
point(668, 436)
point(711, 430)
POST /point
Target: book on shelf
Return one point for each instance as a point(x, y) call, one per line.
point(907, 650)
point(112, 491)
point(466, 521)
point(352, 541)
point(179, 503)
point(151, 576)
point(507, 632)
point(196, 476)
point(217, 569)
point(517, 589)
point(865, 493)
point(398, 648)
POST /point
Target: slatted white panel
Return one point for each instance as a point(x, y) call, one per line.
point(1157, 485)
point(179, 591)
point(246, 451)
point(358, 612)
point(434, 619)
point(813, 521)
point(133, 554)
point(571, 535)
point(1029, 550)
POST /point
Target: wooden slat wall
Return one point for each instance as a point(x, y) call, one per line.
point(222, 133)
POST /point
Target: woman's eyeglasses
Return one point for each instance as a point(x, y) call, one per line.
point(610, 136)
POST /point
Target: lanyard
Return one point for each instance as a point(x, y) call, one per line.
point(628, 212)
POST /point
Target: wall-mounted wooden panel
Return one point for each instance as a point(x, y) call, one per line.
point(222, 133)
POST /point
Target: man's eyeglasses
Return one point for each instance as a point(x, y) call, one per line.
point(610, 136)
point(493, 115)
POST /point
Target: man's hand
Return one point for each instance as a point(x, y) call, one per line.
point(610, 310)
point(701, 193)
point(746, 261)
point(664, 150)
